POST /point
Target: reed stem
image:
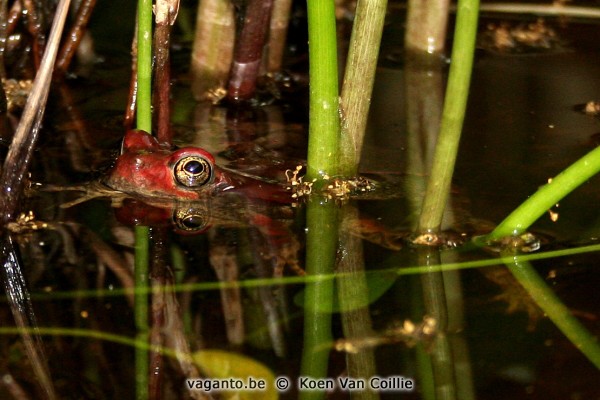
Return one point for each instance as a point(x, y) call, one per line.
point(426, 23)
point(249, 50)
point(353, 299)
point(324, 120)
point(321, 244)
point(280, 18)
point(166, 12)
point(438, 186)
point(144, 66)
point(212, 52)
point(141, 310)
point(556, 311)
point(143, 122)
point(358, 80)
point(548, 195)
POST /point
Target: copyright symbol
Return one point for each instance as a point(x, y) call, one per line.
point(282, 383)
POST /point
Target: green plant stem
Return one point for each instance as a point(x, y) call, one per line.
point(358, 80)
point(438, 186)
point(321, 244)
point(144, 66)
point(143, 122)
point(141, 309)
point(548, 195)
point(556, 311)
point(353, 299)
point(324, 121)
point(434, 303)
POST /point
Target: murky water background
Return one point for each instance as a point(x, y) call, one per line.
point(521, 129)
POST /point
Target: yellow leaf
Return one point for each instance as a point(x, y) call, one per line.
point(225, 368)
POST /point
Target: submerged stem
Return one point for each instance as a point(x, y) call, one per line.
point(321, 243)
point(142, 244)
point(556, 310)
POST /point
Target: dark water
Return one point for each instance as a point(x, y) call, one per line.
point(491, 342)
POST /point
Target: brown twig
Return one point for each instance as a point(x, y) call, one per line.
point(3, 35)
point(35, 28)
point(166, 12)
point(159, 253)
point(13, 387)
point(13, 17)
point(114, 261)
point(132, 97)
point(69, 46)
point(25, 138)
point(248, 53)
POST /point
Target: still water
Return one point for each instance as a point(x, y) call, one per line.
point(230, 290)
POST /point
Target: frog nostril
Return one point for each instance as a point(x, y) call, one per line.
point(193, 171)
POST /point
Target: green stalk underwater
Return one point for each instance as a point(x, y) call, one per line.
point(321, 244)
point(143, 122)
point(556, 311)
point(141, 310)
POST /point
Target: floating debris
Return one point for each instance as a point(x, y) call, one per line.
point(334, 188)
point(26, 222)
point(525, 243)
point(296, 183)
point(505, 37)
point(17, 92)
point(343, 188)
point(407, 332)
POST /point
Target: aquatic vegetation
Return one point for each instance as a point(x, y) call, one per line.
point(227, 256)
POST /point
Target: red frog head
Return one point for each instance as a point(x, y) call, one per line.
point(152, 169)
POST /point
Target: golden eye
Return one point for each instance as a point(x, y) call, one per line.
point(193, 171)
point(187, 221)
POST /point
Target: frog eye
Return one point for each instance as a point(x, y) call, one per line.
point(190, 222)
point(193, 171)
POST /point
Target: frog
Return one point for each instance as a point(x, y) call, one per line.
point(185, 187)
point(150, 169)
